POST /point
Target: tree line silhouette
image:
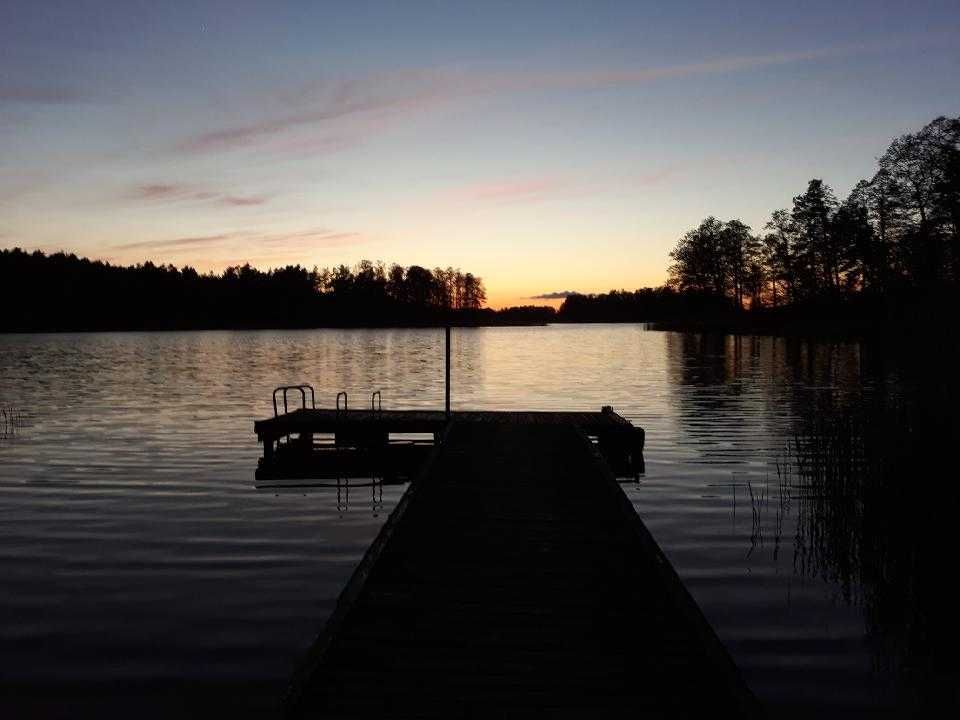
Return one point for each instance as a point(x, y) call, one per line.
point(61, 292)
point(899, 229)
point(889, 251)
point(643, 305)
point(888, 254)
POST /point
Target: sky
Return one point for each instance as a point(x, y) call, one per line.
point(544, 146)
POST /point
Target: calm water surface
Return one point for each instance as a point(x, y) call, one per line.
point(139, 560)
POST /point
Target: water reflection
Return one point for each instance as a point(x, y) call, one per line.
point(367, 492)
point(796, 486)
point(858, 494)
point(876, 507)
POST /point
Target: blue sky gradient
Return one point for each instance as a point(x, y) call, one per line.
point(543, 146)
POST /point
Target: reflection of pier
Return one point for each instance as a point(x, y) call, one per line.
point(351, 491)
point(513, 578)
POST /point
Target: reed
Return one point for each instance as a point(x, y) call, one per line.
point(875, 512)
point(11, 421)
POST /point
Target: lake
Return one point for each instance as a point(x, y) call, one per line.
point(795, 486)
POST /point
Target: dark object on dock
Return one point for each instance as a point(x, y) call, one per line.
point(514, 578)
point(312, 443)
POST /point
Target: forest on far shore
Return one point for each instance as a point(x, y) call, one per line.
point(62, 292)
point(886, 256)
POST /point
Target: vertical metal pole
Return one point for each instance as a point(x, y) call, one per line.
point(447, 336)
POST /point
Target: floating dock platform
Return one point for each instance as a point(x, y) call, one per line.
point(312, 443)
point(513, 579)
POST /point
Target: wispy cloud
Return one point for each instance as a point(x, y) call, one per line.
point(18, 182)
point(391, 93)
point(181, 242)
point(317, 237)
point(156, 191)
point(395, 94)
point(534, 189)
point(37, 95)
point(545, 187)
point(297, 240)
point(174, 192)
point(238, 201)
point(559, 295)
point(312, 143)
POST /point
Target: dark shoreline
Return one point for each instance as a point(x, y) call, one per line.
point(239, 328)
point(887, 318)
point(744, 326)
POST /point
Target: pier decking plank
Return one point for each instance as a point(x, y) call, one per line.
point(329, 420)
point(515, 579)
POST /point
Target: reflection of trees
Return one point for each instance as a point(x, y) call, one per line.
point(875, 511)
point(700, 359)
point(704, 371)
point(750, 386)
point(862, 485)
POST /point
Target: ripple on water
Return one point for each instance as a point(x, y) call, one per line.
point(135, 548)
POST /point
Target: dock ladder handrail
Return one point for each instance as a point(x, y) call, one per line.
point(345, 405)
point(302, 389)
point(376, 402)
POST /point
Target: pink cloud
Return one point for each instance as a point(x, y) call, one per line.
point(648, 179)
point(18, 182)
point(182, 242)
point(296, 241)
point(317, 237)
point(540, 188)
point(237, 201)
point(186, 193)
point(157, 191)
point(310, 144)
point(525, 190)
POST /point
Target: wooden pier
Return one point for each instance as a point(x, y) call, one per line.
point(513, 579)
